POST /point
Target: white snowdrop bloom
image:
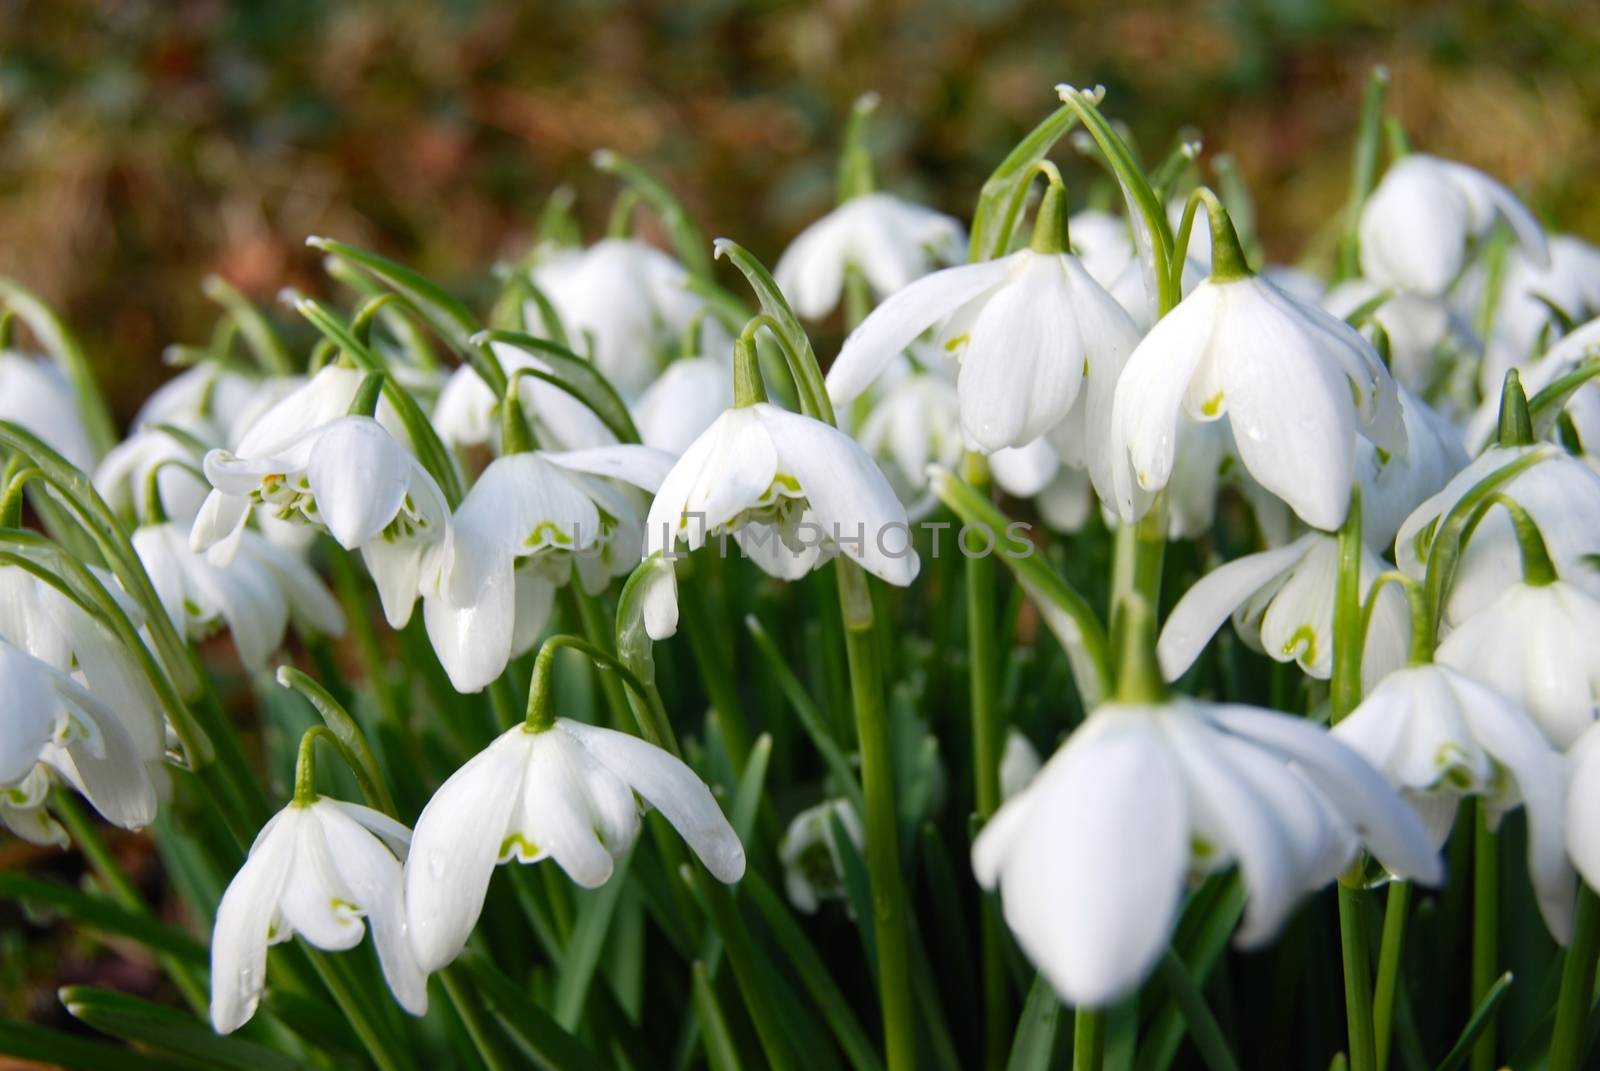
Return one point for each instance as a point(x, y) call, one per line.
point(1558, 491)
point(1439, 735)
point(1030, 329)
point(52, 724)
point(1534, 644)
point(466, 413)
point(1145, 796)
point(36, 394)
point(889, 240)
point(1583, 805)
point(914, 422)
point(813, 870)
point(1393, 485)
point(1025, 471)
point(1416, 224)
point(570, 793)
point(531, 518)
point(622, 302)
point(254, 596)
point(324, 870)
point(1019, 763)
point(348, 475)
point(789, 489)
point(1067, 502)
point(1281, 601)
point(1103, 243)
point(683, 401)
point(206, 394)
point(1418, 326)
point(1521, 317)
point(1296, 384)
point(122, 477)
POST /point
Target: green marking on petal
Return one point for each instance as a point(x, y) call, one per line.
point(957, 343)
point(519, 846)
point(1212, 405)
point(1304, 640)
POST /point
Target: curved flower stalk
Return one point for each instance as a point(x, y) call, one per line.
point(1440, 736)
point(629, 300)
point(255, 596)
point(1296, 384)
point(549, 788)
point(36, 393)
point(530, 519)
point(1282, 604)
point(790, 489)
point(1561, 495)
point(1031, 329)
point(812, 869)
point(890, 240)
point(324, 869)
point(1197, 787)
point(466, 413)
point(1416, 225)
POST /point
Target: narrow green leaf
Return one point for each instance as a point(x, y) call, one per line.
point(62, 345)
point(582, 955)
point(269, 351)
point(1481, 1018)
point(721, 1053)
point(1035, 1046)
point(453, 320)
point(796, 344)
point(573, 374)
point(101, 914)
point(541, 1036)
point(687, 241)
point(36, 1043)
point(752, 783)
point(140, 1021)
point(1000, 200)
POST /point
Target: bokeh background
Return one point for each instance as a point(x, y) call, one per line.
point(144, 143)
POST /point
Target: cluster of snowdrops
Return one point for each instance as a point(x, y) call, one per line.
point(1406, 443)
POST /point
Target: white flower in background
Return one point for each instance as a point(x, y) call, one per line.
point(122, 477)
point(1535, 644)
point(527, 522)
point(52, 724)
point(1439, 735)
point(1025, 471)
point(467, 412)
point(788, 488)
point(254, 596)
point(1281, 601)
point(1416, 225)
point(1521, 315)
point(914, 422)
point(569, 793)
point(211, 396)
point(1019, 763)
point(1296, 384)
point(1559, 492)
point(683, 401)
point(1030, 328)
point(1583, 805)
point(1565, 355)
point(1392, 485)
point(317, 869)
point(1298, 283)
point(812, 868)
point(1143, 797)
point(1418, 326)
point(36, 394)
point(890, 241)
point(622, 302)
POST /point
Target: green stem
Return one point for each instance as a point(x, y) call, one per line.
point(715, 671)
point(1357, 977)
point(385, 1052)
point(1203, 1027)
point(1363, 170)
point(1485, 931)
point(1389, 949)
point(1345, 688)
point(471, 1010)
point(1088, 1040)
point(889, 913)
point(1138, 554)
point(1577, 985)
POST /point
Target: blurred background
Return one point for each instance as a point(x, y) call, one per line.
point(145, 143)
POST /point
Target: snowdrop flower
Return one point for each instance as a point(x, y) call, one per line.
point(890, 241)
point(1583, 805)
point(1439, 735)
point(529, 520)
point(1296, 384)
point(812, 868)
point(466, 413)
point(913, 423)
point(1019, 763)
point(255, 595)
point(1416, 225)
point(789, 488)
point(346, 474)
point(52, 724)
point(317, 868)
point(1521, 317)
point(1558, 491)
point(683, 402)
point(549, 788)
point(208, 395)
point(123, 475)
point(1392, 485)
point(1030, 329)
point(1534, 644)
point(1281, 601)
point(1153, 790)
point(36, 394)
point(628, 300)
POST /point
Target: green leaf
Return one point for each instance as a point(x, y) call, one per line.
point(59, 342)
point(582, 955)
point(721, 1053)
point(796, 344)
point(1034, 1047)
point(1000, 200)
point(269, 351)
point(448, 316)
point(752, 783)
point(140, 1021)
point(687, 240)
point(348, 733)
point(35, 1043)
point(541, 1036)
point(573, 374)
point(101, 914)
point(1481, 1018)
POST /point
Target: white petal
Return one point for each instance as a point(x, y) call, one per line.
point(1206, 605)
point(244, 917)
point(359, 476)
point(642, 466)
point(474, 642)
